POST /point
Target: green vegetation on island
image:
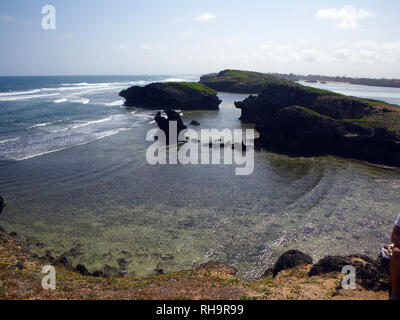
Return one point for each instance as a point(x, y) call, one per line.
point(172, 95)
point(238, 81)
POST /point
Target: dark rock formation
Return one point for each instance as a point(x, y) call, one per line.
point(370, 274)
point(100, 274)
point(172, 95)
point(278, 95)
point(122, 263)
point(63, 262)
point(329, 264)
point(158, 271)
point(2, 204)
point(288, 260)
point(107, 272)
point(20, 266)
point(82, 270)
point(300, 120)
point(111, 271)
point(163, 123)
point(48, 256)
point(194, 123)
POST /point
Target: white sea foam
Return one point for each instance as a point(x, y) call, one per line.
point(61, 100)
point(8, 140)
point(17, 93)
point(61, 130)
point(75, 84)
point(102, 136)
point(115, 103)
point(143, 115)
point(74, 89)
point(81, 100)
point(27, 97)
point(88, 123)
point(45, 124)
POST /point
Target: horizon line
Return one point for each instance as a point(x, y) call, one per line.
point(189, 74)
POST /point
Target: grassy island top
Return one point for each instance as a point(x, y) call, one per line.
point(188, 87)
point(254, 81)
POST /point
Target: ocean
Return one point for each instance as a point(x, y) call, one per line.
point(74, 173)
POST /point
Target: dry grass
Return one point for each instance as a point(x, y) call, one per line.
point(212, 281)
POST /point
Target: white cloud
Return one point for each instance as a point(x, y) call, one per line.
point(307, 55)
point(121, 47)
point(367, 51)
point(185, 33)
point(342, 54)
point(194, 47)
point(347, 17)
point(205, 17)
point(148, 46)
point(287, 53)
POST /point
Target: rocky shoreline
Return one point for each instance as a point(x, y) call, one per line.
point(293, 269)
point(302, 121)
point(291, 118)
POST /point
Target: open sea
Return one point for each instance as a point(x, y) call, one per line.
point(74, 173)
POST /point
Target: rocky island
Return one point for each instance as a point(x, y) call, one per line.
point(239, 81)
point(172, 95)
point(236, 81)
point(304, 121)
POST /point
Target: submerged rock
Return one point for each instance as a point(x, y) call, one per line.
point(172, 95)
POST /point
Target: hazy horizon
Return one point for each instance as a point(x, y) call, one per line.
point(355, 38)
point(169, 74)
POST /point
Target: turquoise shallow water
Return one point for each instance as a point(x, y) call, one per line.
point(105, 202)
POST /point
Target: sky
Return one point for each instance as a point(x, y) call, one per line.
point(342, 38)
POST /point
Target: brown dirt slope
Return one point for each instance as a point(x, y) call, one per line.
point(20, 278)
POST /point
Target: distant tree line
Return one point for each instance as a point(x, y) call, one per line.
point(363, 81)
